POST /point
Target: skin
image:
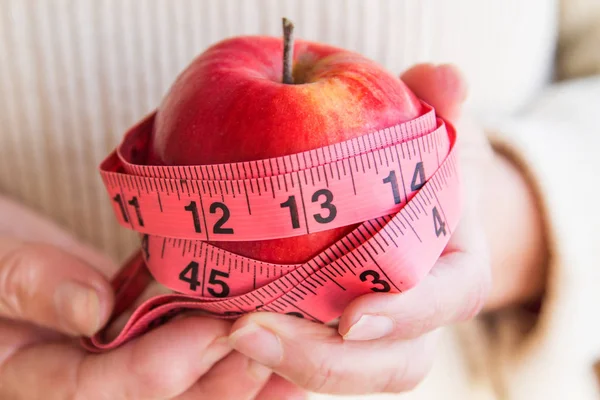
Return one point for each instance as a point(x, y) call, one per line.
point(40, 358)
point(230, 105)
point(396, 341)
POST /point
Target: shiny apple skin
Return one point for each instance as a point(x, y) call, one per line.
point(229, 105)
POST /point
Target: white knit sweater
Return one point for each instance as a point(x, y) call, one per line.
point(75, 74)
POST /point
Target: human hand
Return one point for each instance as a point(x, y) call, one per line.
point(385, 342)
point(53, 289)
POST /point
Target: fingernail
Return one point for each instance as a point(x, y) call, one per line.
point(370, 327)
point(257, 343)
point(258, 371)
point(79, 308)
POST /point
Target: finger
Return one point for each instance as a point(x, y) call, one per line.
point(159, 365)
point(162, 364)
point(455, 290)
point(24, 224)
point(115, 327)
point(443, 87)
point(234, 378)
point(46, 286)
point(16, 334)
point(278, 388)
point(317, 359)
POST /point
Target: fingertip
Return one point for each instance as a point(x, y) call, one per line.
point(443, 86)
point(453, 77)
point(101, 301)
point(49, 287)
point(106, 299)
point(259, 343)
point(273, 331)
point(349, 317)
point(416, 72)
point(249, 324)
point(289, 325)
point(362, 310)
point(370, 327)
point(240, 322)
point(266, 319)
point(81, 309)
point(83, 298)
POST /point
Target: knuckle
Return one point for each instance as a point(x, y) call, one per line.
point(20, 269)
point(321, 376)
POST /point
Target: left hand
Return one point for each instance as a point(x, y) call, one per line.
point(53, 289)
point(385, 342)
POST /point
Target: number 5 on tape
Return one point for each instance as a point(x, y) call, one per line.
point(401, 184)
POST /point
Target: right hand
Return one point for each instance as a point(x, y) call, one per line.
point(54, 290)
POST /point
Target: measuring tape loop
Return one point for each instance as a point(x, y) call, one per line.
point(401, 184)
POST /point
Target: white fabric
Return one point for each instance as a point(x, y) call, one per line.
point(559, 137)
point(76, 74)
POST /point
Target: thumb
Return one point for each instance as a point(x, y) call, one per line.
point(442, 87)
point(46, 286)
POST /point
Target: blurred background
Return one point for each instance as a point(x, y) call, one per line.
point(74, 75)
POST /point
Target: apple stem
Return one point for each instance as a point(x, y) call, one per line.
point(288, 50)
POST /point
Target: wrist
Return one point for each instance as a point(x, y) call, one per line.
point(514, 226)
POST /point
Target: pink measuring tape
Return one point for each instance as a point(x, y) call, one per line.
point(400, 183)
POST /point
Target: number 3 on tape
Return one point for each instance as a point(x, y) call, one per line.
point(400, 184)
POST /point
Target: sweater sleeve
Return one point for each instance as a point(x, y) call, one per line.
point(551, 354)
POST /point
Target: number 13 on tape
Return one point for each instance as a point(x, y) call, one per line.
point(400, 184)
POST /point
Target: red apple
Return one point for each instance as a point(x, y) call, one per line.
point(230, 105)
